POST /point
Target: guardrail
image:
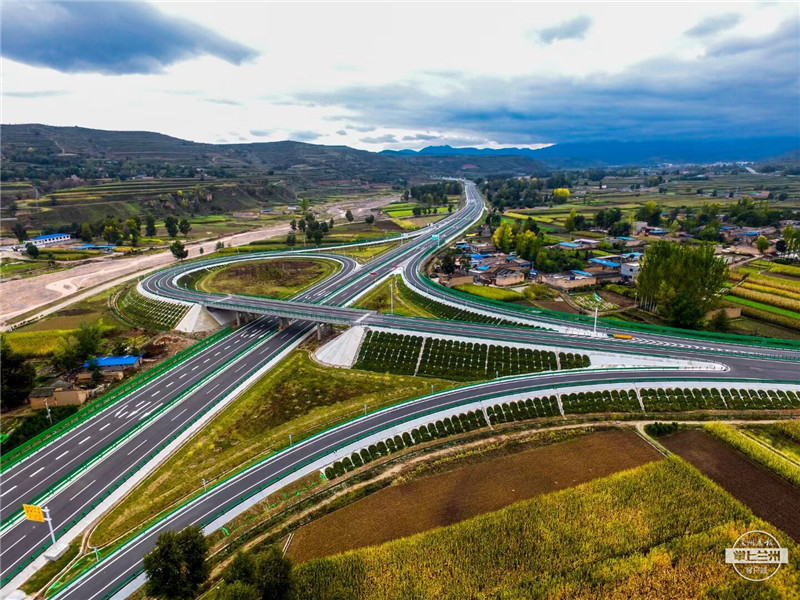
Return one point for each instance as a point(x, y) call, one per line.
point(333, 449)
point(35, 443)
point(66, 479)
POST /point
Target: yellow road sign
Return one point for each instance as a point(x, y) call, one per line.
point(33, 512)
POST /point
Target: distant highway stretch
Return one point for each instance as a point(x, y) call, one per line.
point(22, 482)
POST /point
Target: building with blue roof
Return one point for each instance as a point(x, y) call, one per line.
point(51, 238)
point(570, 245)
point(117, 363)
point(604, 263)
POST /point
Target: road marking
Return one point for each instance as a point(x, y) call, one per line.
point(182, 376)
point(82, 490)
point(226, 347)
point(206, 360)
point(213, 388)
point(156, 393)
point(14, 544)
point(136, 448)
point(178, 415)
point(170, 383)
point(86, 439)
point(240, 368)
point(138, 403)
point(37, 472)
point(122, 414)
point(104, 426)
point(62, 454)
point(8, 490)
point(195, 368)
point(217, 353)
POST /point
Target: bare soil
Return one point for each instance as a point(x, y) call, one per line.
point(447, 498)
point(767, 495)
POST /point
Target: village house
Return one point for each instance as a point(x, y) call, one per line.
point(568, 280)
point(58, 393)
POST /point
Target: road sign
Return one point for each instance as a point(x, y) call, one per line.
point(33, 512)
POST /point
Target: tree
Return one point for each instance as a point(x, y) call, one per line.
point(178, 250)
point(86, 233)
point(305, 204)
point(369, 219)
point(88, 337)
point(720, 321)
point(219, 246)
point(272, 570)
point(291, 240)
point(20, 232)
point(318, 236)
point(620, 229)
point(349, 216)
point(650, 213)
point(185, 226)
point(762, 244)
point(560, 195)
point(150, 225)
point(171, 224)
point(301, 224)
point(65, 354)
point(449, 263)
point(235, 591)
point(293, 225)
point(17, 376)
point(503, 238)
point(681, 282)
point(177, 567)
point(569, 222)
point(32, 250)
point(780, 246)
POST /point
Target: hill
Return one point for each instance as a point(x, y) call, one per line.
point(644, 153)
point(36, 151)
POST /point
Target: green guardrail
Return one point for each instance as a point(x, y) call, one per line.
point(623, 325)
point(337, 447)
point(35, 443)
point(61, 531)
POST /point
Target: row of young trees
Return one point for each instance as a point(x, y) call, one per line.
point(519, 192)
point(681, 282)
point(113, 231)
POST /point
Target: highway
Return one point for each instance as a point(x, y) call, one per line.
point(41, 471)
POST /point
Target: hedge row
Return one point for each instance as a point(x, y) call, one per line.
point(440, 429)
point(521, 410)
point(601, 401)
point(673, 399)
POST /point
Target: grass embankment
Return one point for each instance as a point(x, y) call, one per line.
point(655, 531)
point(44, 575)
point(755, 451)
point(364, 254)
point(379, 299)
point(297, 397)
point(493, 293)
point(278, 278)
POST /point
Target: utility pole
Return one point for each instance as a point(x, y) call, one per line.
point(49, 416)
point(96, 554)
point(365, 408)
point(290, 439)
point(205, 485)
point(391, 292)
point(47, 518)
point(595, 320)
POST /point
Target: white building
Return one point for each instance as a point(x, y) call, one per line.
point(629, 271)
point(46, 240)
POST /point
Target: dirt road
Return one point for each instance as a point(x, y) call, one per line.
point(23, 295)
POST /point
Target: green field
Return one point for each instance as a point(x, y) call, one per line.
point(764, 307)
point(274, 278)
point(36, 344)
point(657, 529)
point(493, 293)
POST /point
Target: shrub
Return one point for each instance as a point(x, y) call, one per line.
point(659, 429)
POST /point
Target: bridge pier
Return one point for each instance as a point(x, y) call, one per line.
point(283, 323)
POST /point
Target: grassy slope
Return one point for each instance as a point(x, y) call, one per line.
point(378, 299)
point(655, 531)
point(490, 292)
point(298, 397)
point(277, 278)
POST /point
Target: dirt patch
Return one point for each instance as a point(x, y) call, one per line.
point(558, 305)
point(767, 495)
point(618, 299)
point(440, 500)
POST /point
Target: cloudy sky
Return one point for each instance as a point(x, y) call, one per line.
point(405, 75)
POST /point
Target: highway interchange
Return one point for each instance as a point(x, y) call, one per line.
point(166, 406)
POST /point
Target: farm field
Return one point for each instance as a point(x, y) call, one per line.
point(298, 397)
point(448, 498)
point(591, 300)
point(768, 496)
point(275, 278)
point(767, 293)
point(149, 313)
point(459, 361)
point(493, 293)
point(658, 528)
point(779, 437)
